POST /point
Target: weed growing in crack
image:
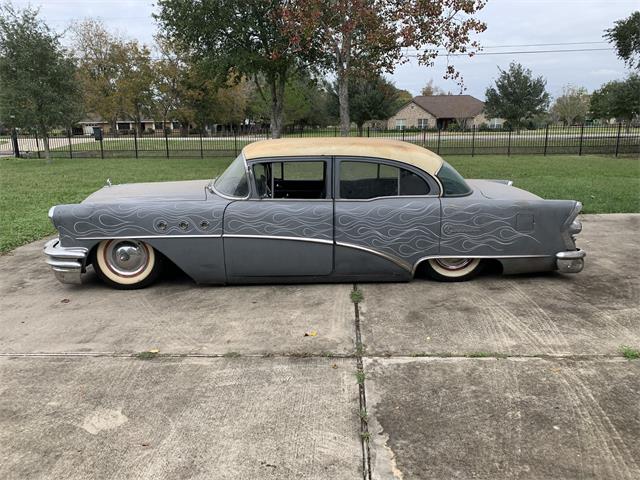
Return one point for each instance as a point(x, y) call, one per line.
point(357, 296)
point(629, 353)
point(360, 377)
point(231, 355)
point(146, 355)
point(365, 435)
point(364, 416)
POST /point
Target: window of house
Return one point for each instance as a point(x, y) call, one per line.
point(401, 123)
point(423, 123)
point(158, 126)
point(364, 180)
point(291, 179)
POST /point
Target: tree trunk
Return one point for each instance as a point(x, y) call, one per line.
point(343, 100)
point(360, 129)
point(45, 142)
point(277, 85)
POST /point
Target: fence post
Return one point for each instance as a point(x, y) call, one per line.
point(135, 140)
point(438, 149)
point(546, 139)
point(581, 136)
point(618, 138)
point(101, 148)
point(368, 133)
point(37, 144)
point(509, 144)
point(403, 134)
point(424, 136)
point(473, 140)
point(166, 141)
point(14, 142)
point(201, 147)
point(69, 138)
point(335, 131)
point(235, 142)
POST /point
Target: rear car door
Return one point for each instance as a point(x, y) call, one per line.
point(387, 217)
point(285, 227)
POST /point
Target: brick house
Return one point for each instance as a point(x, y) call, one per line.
point(438, 111)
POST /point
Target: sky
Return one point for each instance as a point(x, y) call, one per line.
point(509, 23)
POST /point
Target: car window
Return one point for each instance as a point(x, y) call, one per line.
point(364, 180)
point(452, 182)
point(233, 182)
point(291, 179)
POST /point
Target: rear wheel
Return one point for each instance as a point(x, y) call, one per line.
point(126, 264)
point(453, 269)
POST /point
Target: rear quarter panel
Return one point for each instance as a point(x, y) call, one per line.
point(476, 226)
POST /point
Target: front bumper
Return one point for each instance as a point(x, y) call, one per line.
point(67, 264)
point(570, 261)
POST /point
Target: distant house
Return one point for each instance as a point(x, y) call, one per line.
point(149, 125)
point(438, 111)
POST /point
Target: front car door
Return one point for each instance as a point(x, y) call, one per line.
point(387, 217)
point(285, 227)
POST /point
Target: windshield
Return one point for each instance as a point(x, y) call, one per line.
point(233, 182)
point(452, 182)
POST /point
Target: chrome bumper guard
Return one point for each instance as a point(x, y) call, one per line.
point(67, 263)
point(570, 261)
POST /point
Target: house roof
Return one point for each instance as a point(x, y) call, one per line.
point(404, 152)
point(450, 106)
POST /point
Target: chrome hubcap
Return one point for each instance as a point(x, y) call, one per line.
point(453, 263)
point(126, 257)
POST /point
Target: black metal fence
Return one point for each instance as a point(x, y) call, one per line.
point(578, 140)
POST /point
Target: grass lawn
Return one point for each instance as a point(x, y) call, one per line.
point(28, 187)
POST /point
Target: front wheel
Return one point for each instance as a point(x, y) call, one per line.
point(453, 269)
point(126, 264)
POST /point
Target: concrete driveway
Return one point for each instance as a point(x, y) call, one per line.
point(499, 378)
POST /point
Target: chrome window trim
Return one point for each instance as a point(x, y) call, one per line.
point(327, 160)
point(213, 189)
point(426, 176)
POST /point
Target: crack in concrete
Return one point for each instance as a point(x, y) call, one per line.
point(362, 397)
point(585, 357)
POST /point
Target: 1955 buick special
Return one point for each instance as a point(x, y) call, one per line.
point(316, 210)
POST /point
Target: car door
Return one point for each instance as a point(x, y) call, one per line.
point(387, 217)
point(285, 228)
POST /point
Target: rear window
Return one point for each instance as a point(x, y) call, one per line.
point(452, 182)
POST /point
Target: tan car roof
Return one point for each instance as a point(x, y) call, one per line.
point(404, 152)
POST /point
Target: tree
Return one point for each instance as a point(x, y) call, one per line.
point(626, 38)
point(431, 89)
point(169, 81)
point(369, 37)
point(572, 106)
point(305, 101)
point(369, 99)
point(99, 54)
point(517, 96)
point(248, 39)
point(37, 76)
point(617, 99)
point(134, 83)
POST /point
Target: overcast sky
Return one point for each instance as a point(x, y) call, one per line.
point(509, 22)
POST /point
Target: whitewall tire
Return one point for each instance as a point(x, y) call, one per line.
point(453, 269)
point(126, 263)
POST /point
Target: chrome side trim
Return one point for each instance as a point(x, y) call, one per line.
point(142, 237)
point(401, 263)
point(277, 237)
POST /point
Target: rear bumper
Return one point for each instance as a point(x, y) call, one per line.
point(67, 264)
point(570, 261)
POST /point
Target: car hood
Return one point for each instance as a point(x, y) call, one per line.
point(168, 191)
point(500, 190)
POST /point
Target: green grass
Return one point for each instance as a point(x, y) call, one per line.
point(28, 187)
